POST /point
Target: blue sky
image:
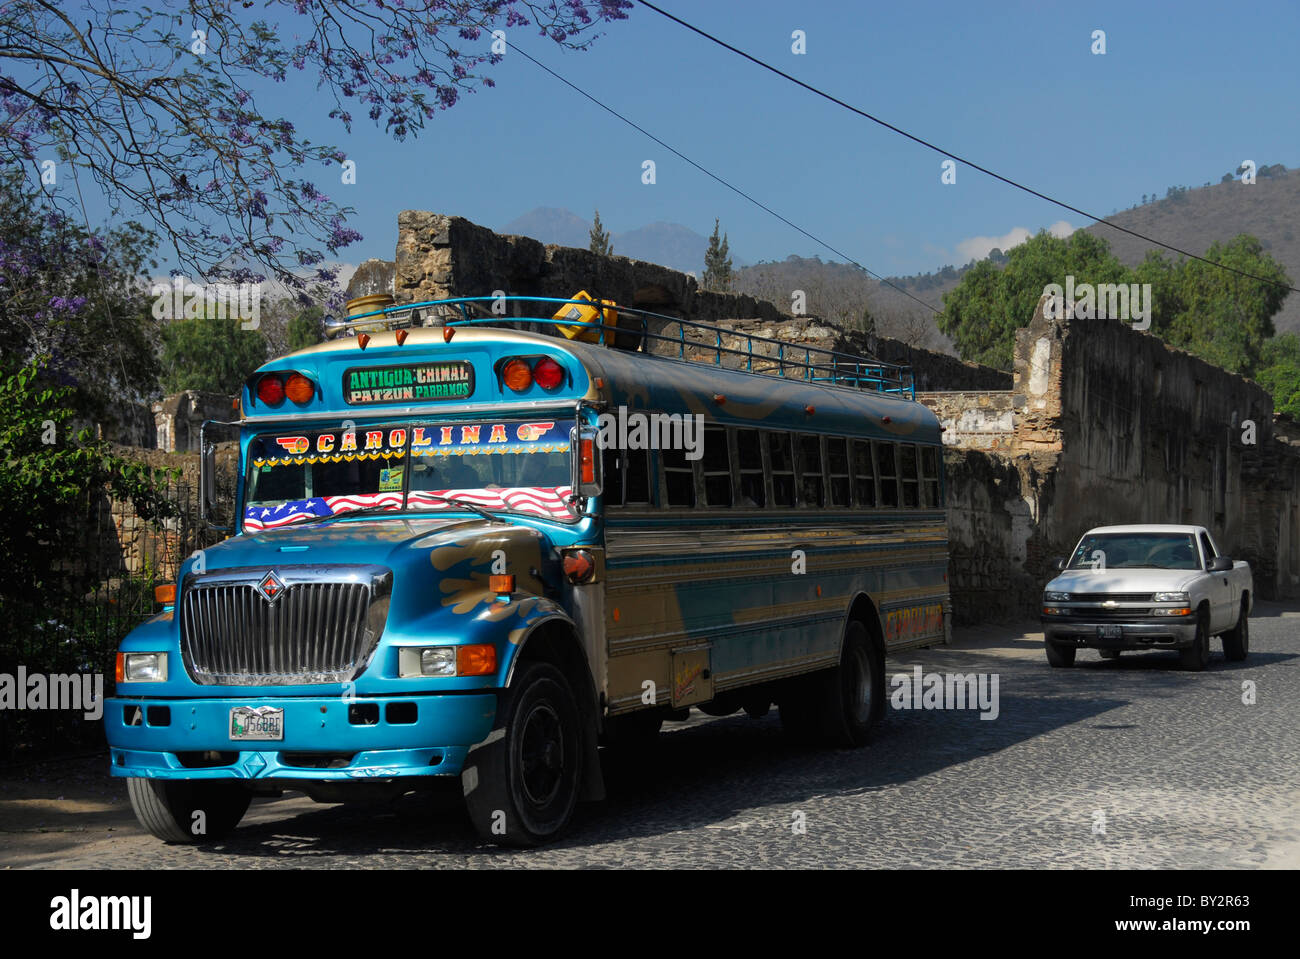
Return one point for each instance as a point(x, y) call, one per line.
point(1183, 94)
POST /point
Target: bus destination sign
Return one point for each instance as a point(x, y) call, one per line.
point(414, 382)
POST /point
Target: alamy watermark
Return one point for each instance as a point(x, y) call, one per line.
point(635, 430)
point(184, 299)
point(919, 690)
point(1115, 301)
point(72, 691)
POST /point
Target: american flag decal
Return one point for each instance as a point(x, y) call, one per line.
point(269, 517)
point(549, 501)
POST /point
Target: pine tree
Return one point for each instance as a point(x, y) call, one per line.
point(717, 263)
point(601, 243)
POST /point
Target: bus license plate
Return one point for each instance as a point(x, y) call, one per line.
point(1110, 632)
point(257, 722)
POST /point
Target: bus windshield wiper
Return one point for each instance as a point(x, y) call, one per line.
point(377, 508)
point(473, 507)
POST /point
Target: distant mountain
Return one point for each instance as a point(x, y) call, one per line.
point(552, 225)
point(672, 245)
point(1192, 219)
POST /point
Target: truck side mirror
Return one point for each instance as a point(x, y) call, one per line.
point(1060, 565)
point(1220, 564)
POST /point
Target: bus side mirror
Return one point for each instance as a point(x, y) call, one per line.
point(208, 480)
point(588, 464)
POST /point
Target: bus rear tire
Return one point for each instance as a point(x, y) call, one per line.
point(169, 808)
point(521, 784)
point(839, 705)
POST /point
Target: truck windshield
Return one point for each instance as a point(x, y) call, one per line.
point(508, 466)
point(1136, 551)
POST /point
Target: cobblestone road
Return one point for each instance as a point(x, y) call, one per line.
point(1173, 766)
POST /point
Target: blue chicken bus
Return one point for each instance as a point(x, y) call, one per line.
point(477, 546)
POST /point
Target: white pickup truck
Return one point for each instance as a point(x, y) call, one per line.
point(1148, 587)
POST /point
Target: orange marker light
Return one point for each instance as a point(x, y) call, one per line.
point(502, 584)
point(587, 459)
point(400, 335)
point(299, 389)
point(579, 567)
point(165, 594)
point(119, 672)
point(478, 660)
point(447, 333)
point(517, 375)
point(363, 340)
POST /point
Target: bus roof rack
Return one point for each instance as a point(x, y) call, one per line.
point(651, 333)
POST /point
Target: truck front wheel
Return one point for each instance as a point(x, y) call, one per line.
point(1236, 641)
point(1061, 657)
point(188, 811)
point(1197, 656)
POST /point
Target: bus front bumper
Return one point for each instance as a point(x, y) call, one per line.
point(322, 737)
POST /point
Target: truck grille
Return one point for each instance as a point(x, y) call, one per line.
point(1117, 597)
point(282, 627)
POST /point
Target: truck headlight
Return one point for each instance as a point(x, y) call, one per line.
point(1052, 596)
point(141, 667)
point(1170, 598)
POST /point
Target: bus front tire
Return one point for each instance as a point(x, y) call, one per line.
point(188, 811)
point(521, 784)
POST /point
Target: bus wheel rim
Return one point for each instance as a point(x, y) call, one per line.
point(541, 754)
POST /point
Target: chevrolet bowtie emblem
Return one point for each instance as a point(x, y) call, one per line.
point(270, 587)
point(1110, 604)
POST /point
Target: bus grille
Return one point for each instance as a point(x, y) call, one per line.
point(314, 631)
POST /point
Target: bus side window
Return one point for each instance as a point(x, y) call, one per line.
point(864, 474)
point(909, 475)
point(614, 476)
point(749, 463)
point(888, 473)
point(837, 469)
point(637, 480)
point(716, 463)
point(782, 458)
point(812, 485)
point(679, 478)
point(930, 475)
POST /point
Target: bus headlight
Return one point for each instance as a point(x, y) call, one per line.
point(414, 662)
point(141, 667)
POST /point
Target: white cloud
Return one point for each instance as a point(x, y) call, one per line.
point(978, 247)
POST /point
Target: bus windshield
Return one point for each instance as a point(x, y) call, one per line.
point(510, 466)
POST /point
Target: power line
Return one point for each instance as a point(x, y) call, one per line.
point(729, 186)
point(940, 150)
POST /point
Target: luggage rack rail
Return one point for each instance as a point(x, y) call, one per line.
point(753, 354)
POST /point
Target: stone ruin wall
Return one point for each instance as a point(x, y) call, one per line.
point(1096, 423)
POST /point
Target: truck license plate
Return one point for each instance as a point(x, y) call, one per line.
point(257, 722)
point(1110, 632)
